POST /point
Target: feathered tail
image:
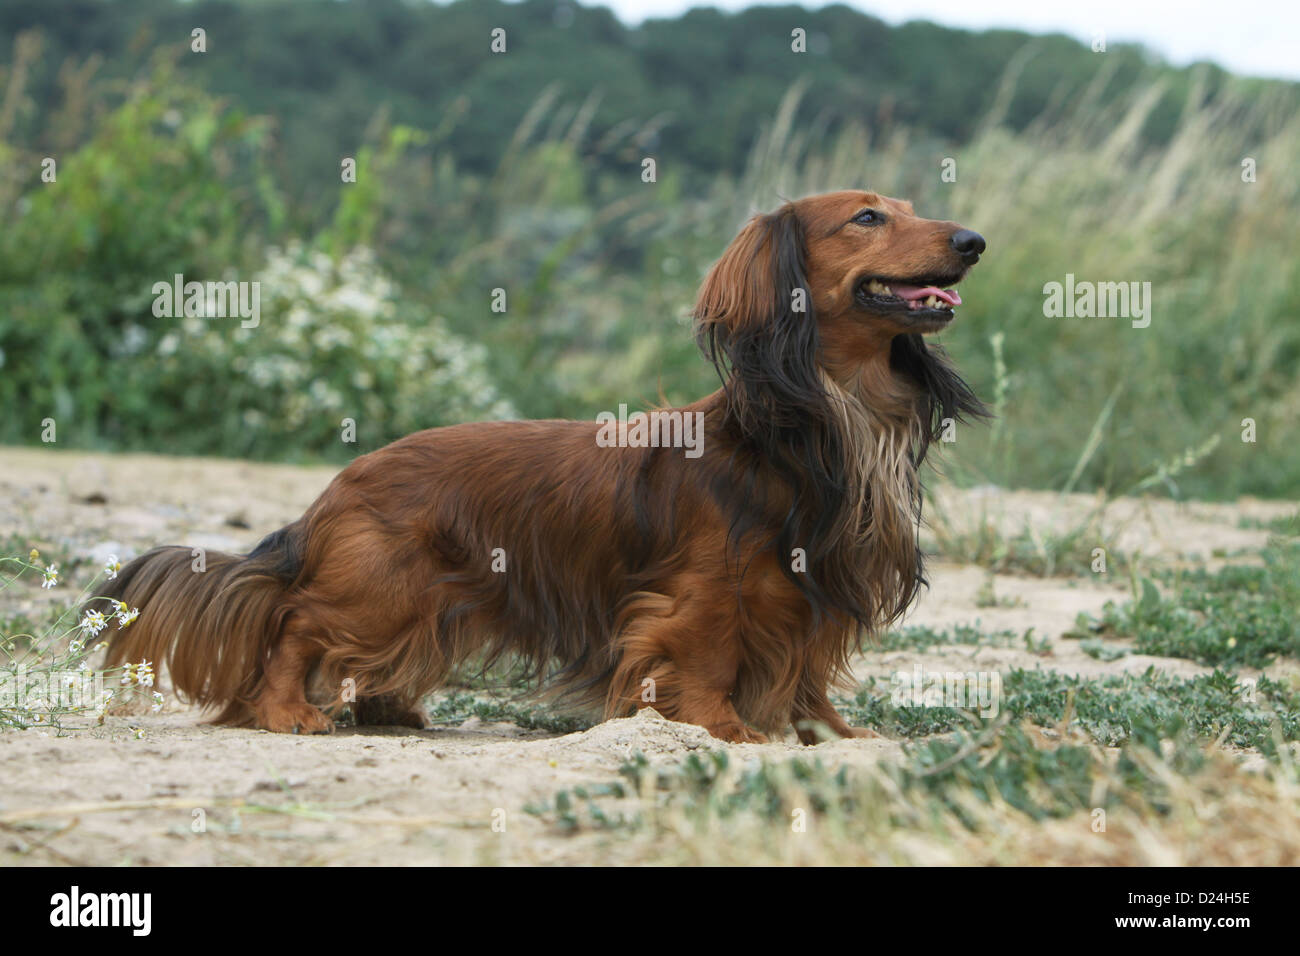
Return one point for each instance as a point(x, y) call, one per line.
point(208, 619)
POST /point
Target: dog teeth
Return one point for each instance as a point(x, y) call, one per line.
point(876, 287)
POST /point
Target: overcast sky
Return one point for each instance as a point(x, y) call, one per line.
point(1258, 37)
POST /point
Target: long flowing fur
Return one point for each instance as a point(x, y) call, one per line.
point(212, 618)
point(625, 576)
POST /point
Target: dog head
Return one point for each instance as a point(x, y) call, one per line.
point(842, 285)
point(872, 260)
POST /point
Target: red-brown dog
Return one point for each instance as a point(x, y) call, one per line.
point(726, 585)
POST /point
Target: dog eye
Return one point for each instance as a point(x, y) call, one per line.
point(868, 217)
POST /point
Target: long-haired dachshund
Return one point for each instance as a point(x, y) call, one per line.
point(726, 589)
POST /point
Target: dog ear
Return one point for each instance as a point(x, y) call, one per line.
point(755, 322)
point(741, 290)
point(945, 394)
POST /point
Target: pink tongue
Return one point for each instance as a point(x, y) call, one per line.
point(913, 292)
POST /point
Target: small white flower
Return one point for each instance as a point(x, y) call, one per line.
point(157, 702)
point(112, 567)
point(144, 674)
point(125, 617)
point(51, 576)
point(94, 622)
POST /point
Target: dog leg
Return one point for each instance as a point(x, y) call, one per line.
point(819, 711)
point(281, 705)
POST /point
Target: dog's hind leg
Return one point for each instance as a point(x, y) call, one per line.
point(281, 704)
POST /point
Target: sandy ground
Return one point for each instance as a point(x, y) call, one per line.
point(188, 793)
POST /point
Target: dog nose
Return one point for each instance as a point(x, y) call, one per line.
point(967, 243)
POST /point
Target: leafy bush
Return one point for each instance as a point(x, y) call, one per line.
point(158, 177)
point(333, 343)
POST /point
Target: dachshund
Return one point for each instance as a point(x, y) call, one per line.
point(727, 588)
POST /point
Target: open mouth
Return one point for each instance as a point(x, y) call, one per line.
point(922, 300)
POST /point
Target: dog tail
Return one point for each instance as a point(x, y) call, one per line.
point(209, 619)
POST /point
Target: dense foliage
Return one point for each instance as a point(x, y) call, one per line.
point(522, 172)
point(695, 88)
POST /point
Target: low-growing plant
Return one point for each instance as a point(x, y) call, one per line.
point(921, 638)
point(1100, 650)
point(1110, 710)
point(46, 680)
point(1029, 551)
point(1237, 616)
point(960, 776)
point(1285, 525)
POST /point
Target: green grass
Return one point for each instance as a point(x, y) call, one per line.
point(1238, 616)
point(920, 638)
point(1110, 710)
point(998, 764)
point(601, 268)
point(1100, 650)
point(1067, 553)
point(1285, 525)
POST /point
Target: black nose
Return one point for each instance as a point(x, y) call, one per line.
point(967, 243)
